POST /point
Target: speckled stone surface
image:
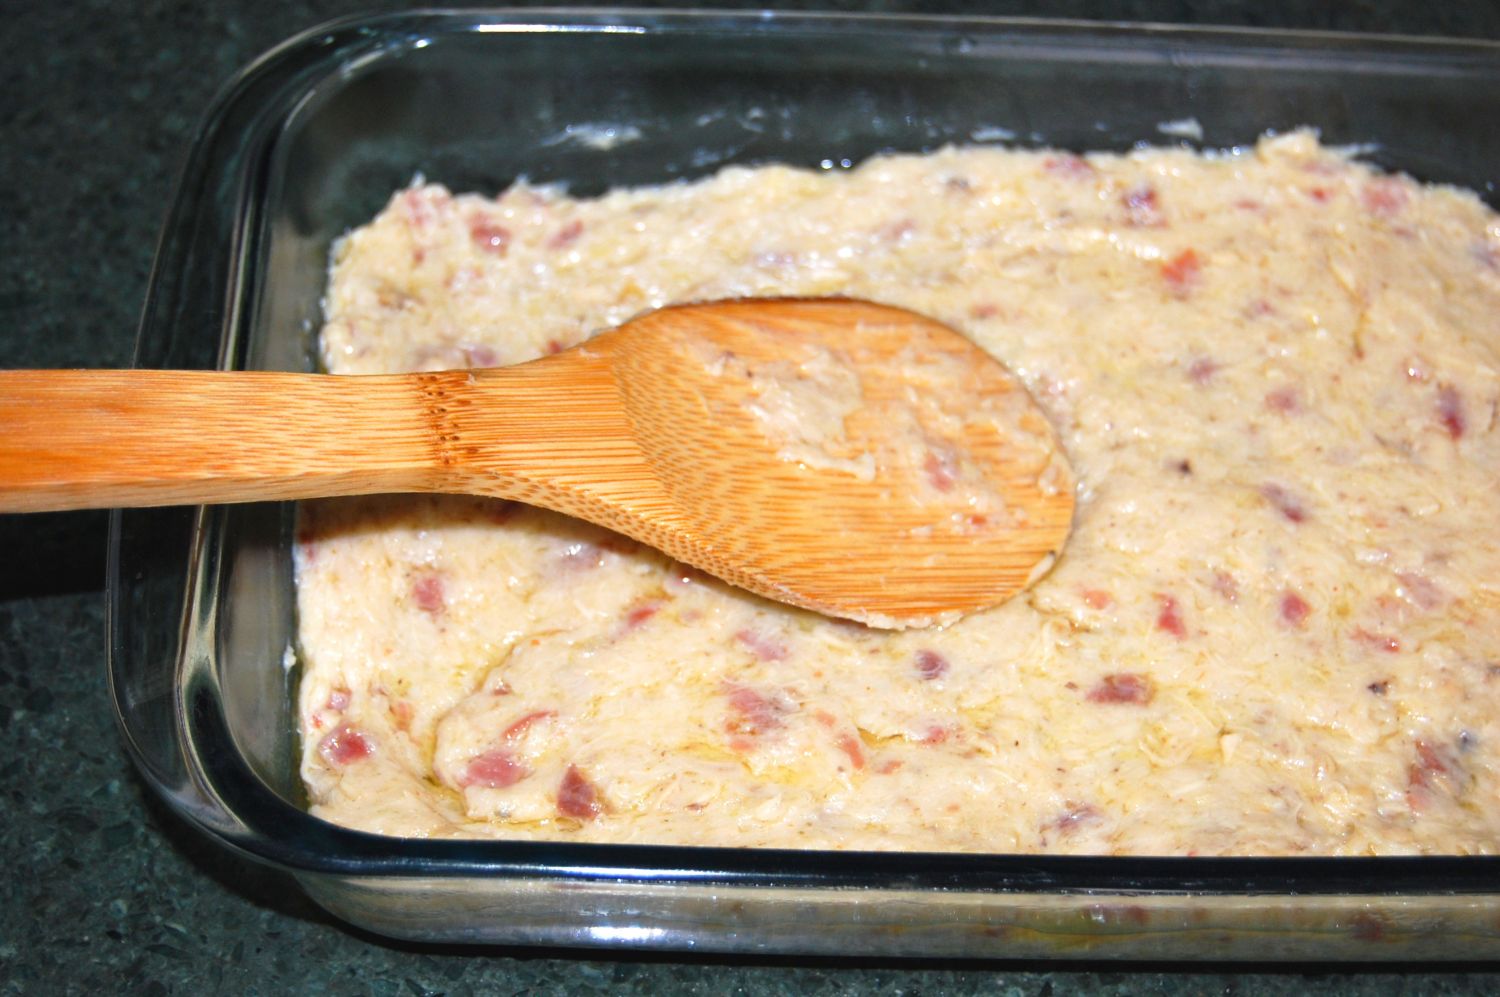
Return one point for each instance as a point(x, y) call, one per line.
point(102, 890)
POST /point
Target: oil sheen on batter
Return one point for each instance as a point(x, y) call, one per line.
point(1275, 630)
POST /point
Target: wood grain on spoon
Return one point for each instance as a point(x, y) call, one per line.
point(921, 483)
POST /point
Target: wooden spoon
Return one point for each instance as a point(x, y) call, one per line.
point(850, 458)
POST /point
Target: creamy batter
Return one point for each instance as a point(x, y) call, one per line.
point(1274, 630)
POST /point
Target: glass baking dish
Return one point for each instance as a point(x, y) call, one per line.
point(312, 139)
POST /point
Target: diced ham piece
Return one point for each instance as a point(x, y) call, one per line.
point(495, 769)
point(931, 665)
point(850, 745)
point(577, 797)
point(1123, 687)
point(1283, 400)
point(518, 728)
point(566, 236)
point(1075, 816)
point(1202, 370)
point(427, 592)
point(764, 646)
point(402, 714)
point(338, 699)
point(1182, 272)
point(1294, 609)
point(479, 355)
point(1169, 616)
point(1284, 502)
point(1450, 410)
point(1142, 207)
point(1069, 167)
point(1421, 590)
point(940, 470)
point(1226, 585)
point(345, 745)
point(1378, 641)
point(502, 766)
point(1428, 759)
point(421, 206)
point(489, 235)
point(937, 734)
point(1320, 194)
point(1432, 770)
point(751, 713)
point(637, 615)
point(1097, 599)
point(1384, 196)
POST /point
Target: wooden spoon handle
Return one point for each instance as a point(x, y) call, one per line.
point(72, 439)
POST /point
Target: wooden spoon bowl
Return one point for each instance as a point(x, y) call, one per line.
point(850, 458)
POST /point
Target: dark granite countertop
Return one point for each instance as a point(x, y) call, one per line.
point(104, 889)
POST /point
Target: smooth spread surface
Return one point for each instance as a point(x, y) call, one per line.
point(1272, 632)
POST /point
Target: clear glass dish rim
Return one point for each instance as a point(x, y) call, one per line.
point(225, 799)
